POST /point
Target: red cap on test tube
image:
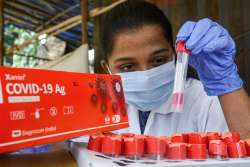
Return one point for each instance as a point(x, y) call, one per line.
point(179, 138)
point(181, 47)
point(197, 138)
point(111, 145)
point(155, 146)
point(127, 134)
point(133, 146)
point(247, 143)
point(213, 136)
point(236, 149)
point(217, 148)
point(230, 137)
point(95, 142)
point(197, 151)
point(177, 151)
point(167, 139)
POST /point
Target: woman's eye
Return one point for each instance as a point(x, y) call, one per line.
point(157, 61)
point(126, 68)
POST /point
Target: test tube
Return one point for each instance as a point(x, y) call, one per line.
point(180, 75)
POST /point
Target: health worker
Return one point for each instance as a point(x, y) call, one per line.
point(136, 43)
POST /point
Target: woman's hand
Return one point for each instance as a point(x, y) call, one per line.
point(212, 55)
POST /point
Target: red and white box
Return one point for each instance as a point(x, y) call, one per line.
point(41, 106)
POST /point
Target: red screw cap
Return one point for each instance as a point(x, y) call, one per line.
point(237, 149)
point(179, 138)
point(230, 137)
point(95, 142)
point(197, 138)
point(155, 145)
point(247, 143)
point(127, 134)
point(177, 151)
point(133, 145)
point(213, 136)
point(181, 47)
point(111, 145)
point(197, 151)
point(217, 148)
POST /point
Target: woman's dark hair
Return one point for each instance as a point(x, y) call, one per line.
point(129, 15)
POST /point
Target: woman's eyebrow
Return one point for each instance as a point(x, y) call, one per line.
point(160, 51)
point(123, 59)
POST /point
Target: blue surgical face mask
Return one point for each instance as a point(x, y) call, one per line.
point(147, 90)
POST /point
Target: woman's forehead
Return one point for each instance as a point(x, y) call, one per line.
point(145, 40)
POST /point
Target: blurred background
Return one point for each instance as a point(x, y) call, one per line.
point(35, 32)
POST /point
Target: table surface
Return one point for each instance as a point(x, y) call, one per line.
point(58, 156)
point(86, 158)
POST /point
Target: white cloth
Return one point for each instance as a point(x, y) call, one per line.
point(201, 113)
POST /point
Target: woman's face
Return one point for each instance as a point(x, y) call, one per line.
point(140, 49)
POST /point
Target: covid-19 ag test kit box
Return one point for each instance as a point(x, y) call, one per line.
point(41, 106)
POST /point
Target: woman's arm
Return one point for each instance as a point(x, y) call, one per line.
point(236, 107)
point(212, 55)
